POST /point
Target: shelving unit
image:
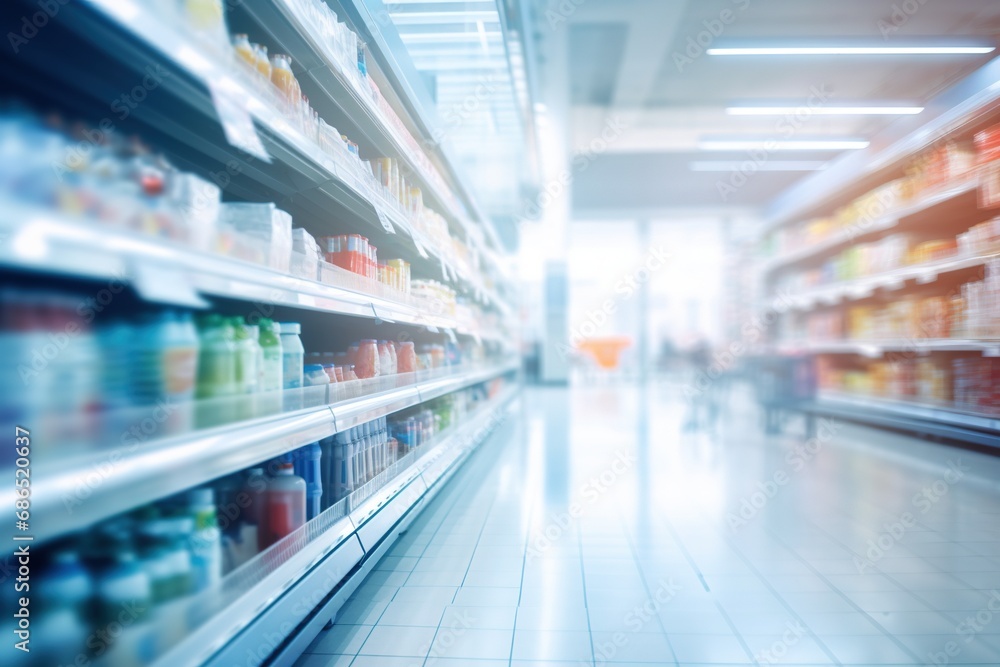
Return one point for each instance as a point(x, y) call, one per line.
point(952, 206)
point(137, 475)
point(209, 116)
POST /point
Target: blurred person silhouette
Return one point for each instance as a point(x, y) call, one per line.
point(702, 403)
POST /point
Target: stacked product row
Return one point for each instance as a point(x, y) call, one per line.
point(969, 312)
point(185, 545)
point(968, 384)
point(946, 164)
point(80, 376)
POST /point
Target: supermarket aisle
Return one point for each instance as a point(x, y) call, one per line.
point(588, 536)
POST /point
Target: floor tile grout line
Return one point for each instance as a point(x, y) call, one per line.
point(524, 558)
point(649, 592)
point(583, 582)
point(788, 607)
point(687, 555)
point(914, 594)
point(866, 615)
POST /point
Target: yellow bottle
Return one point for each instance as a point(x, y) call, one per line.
point(241, 44)
point(283, 78)
point(263, 64)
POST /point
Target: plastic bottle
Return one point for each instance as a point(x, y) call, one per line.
point(366, 363)
point(384, 359)
point(343, 469)
point(59, 605)
point(366, 436)
point(293, 355)
point(123, 585)
point(307, 466)
point(263, 62)
point(241, 44)
point(115, 341)
point(248, 351)
point(205, 538)
point(271, 381)
point(165, 557)
point(256, 512)
point(407, 358)
point(393, 357)
point(286, 504)
point(217, 359)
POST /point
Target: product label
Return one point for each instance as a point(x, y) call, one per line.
point(292, 371)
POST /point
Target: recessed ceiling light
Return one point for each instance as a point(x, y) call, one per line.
point(782, 144)
point(915, 50)
point(773, 165)
point(825, 111)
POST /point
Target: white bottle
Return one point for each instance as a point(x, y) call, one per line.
point(293, 355)
point(206, 538)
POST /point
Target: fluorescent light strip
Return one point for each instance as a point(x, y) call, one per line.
point(776, 165)
point(824, 111)
point(850, 50)
point(790, 145)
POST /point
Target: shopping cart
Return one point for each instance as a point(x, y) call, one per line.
point(785, 386)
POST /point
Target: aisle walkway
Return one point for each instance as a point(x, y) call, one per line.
point(587, 536)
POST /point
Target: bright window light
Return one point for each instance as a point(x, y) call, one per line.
point(825, 111)
point(782, 145)
point(849, 50)
point(772, 165)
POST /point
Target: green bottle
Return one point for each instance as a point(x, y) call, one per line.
point(217, 359)
point(270, 344)
point(247, 352)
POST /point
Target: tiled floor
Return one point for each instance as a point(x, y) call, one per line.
point(588, 535)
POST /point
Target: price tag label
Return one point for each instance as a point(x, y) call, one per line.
point(237, 123)
point(451, 336)
point(927, 277)
point(385, 222)
point(420, 247)
point(161, 284)
point(444, 270)
point(433, 329)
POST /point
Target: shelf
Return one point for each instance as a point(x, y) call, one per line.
point(862, 288)
point(929, 419)
point(876, 349)
point(298, 584)
point(319, 177)
point(133, 476)
point(845, 237)
point(168, 272)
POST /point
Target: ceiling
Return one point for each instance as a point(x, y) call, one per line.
point(638, 61)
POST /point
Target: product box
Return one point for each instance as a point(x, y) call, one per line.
point(305, 255)
point(269, 224)
point(200, 205)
